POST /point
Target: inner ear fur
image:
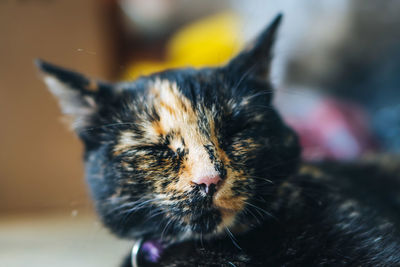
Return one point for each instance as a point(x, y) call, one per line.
point(77, 95)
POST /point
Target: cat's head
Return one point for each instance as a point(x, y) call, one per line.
point(181, 153)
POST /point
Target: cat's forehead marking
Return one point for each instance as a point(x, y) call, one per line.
point(175, 112)
point(173, 108)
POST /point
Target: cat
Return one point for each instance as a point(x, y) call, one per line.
point(200, 166)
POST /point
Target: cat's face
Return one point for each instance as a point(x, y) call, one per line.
point(183, 153)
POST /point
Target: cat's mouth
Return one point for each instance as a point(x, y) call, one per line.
point(212, 215)
point(200, 214)
point(206, 223)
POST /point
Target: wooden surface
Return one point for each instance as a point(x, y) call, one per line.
point(40, 160)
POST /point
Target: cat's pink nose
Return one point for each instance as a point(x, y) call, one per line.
point(207, 182)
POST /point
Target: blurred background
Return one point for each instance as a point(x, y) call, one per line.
point(335, 72)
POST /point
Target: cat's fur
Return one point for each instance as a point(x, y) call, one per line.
point(145, 140)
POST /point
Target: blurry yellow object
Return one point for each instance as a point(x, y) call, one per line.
point(209, 42)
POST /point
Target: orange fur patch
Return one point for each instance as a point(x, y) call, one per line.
point(177, 115)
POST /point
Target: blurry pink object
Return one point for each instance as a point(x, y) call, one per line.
point(330, 129)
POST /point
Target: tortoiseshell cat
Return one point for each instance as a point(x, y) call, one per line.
point(200, 162)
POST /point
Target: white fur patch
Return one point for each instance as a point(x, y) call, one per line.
point(72, 102)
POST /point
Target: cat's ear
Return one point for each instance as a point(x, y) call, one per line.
point(255, 59)
point(78, 96)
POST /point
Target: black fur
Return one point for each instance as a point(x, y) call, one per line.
point(336, 220)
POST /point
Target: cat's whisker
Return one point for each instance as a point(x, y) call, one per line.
point(244, 76)
point(261, 199)
point(247, 210)
point(258, 94)
point(156, 214)
point(261, 209)
point(118, 208)
point(108, 125)
point(166, 227)
point(296, 92)
point(261, 178)
point(259, 213)
point(201, 239)
point(124, 199)
point(232, 237)
point(128, 206)
point(142, 205)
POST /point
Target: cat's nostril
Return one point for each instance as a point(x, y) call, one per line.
point(207, 180)
point(207, 183)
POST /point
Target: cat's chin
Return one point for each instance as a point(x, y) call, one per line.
point(194, 232)
point(214, 222)
point(207, 225)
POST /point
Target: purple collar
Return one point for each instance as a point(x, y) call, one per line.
point(147, 251)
